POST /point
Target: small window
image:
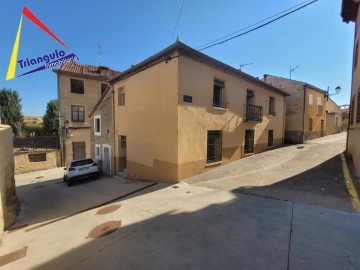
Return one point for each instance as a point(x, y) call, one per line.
point(214, 146)
point(121, 97)
point(77, 113)
point(97, 125)
point(218, 97)
point(103, 88)
point(37, 157)
point(311, 121)
point(77, 86)
point(250, 97)
point(319, 101)
point(97, 151)
point(319, 110)
point(310, 99)
point(272, 106)
point(270, 138)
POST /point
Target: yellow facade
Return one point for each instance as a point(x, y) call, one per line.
point(334, 119)
point(161, 137)
point(305, 109)
point(76, 132)
point(350, 12)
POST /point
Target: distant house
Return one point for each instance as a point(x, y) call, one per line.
point(180, 113)
point(305, 109)
point(79, 88)
point(334, 118)
point(350, 13)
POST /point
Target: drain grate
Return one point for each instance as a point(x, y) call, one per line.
point(104, 229)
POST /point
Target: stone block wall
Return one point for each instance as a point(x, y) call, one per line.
point(9, 203)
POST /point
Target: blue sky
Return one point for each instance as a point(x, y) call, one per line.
point(315, 39)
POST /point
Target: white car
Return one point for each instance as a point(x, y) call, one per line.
point(79, 169)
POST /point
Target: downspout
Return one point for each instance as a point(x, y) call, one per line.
point(60, 131)
point(113, 122)
point(304, 114)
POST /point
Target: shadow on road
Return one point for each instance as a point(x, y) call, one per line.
point(322, 185)
point(47, 200)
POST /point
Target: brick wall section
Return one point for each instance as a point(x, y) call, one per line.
point(9, 202)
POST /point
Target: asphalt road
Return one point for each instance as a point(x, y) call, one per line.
point(309, 173)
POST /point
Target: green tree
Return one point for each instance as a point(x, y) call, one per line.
point(51, 118)
point(10, 109)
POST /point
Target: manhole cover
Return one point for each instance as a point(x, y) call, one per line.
point(108, 209)
point(104, 229)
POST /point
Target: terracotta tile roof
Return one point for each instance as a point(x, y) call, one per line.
point(298, 82)
point(87, 71)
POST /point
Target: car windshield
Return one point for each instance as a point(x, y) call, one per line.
point(81, 162)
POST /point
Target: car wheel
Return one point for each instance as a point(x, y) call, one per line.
point(65, 178)
point(97, 175)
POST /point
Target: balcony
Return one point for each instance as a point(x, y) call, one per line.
point(253, 113)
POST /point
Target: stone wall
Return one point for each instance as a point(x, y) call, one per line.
point(8, 198)
point(23, 164)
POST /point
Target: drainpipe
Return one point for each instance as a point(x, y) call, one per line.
point(113, 133)
point(304, 114)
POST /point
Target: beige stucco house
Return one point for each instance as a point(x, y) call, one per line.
point(350, 13)
point(305, 109)
point(334, 119)
point(79, 88)
point(181, 112)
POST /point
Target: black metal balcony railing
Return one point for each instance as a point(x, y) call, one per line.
point(220, 104)
point(253, 113)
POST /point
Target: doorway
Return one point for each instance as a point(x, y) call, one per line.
point(249, 141)
point(122, 153)
point(79, 150)
point(106, 159)
point(322, 128)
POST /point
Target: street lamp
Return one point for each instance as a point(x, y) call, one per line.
point(337, 91)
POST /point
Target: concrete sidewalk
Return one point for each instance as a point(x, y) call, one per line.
point(187, 227)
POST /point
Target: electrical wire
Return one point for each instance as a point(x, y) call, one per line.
point(177, 21)
point(306, 3)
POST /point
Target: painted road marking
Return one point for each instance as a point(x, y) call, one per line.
point(350, 185)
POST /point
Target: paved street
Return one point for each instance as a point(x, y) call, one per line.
point(119, 224)
point(310, 173)
point(187, 227)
